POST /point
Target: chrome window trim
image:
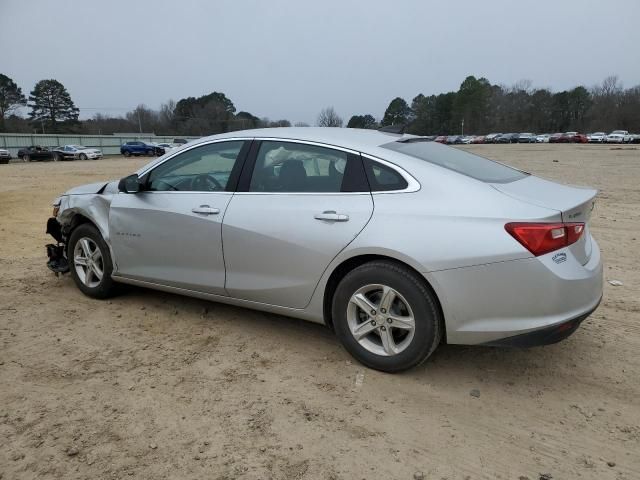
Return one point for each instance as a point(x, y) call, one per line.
point(173, 192)
point(412, 184)
point(308, 142)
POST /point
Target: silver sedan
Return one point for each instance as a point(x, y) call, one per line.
point(395, 242)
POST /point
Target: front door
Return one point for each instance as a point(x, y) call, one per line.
point(170, 233)
point(301, 206)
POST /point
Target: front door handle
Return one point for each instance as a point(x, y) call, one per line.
point(206, 210)
point(332, 216)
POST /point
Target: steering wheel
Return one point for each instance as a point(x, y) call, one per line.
point(205, 183)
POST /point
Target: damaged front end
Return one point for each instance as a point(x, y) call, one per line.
point(86, 203)
point(58, 262)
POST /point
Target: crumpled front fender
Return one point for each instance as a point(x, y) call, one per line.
point(94, 207)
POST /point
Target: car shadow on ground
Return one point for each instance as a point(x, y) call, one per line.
point(472, 363)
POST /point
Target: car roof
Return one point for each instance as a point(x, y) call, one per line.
point(361, 140)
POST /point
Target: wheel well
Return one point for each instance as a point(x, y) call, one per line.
point(77, 220)
point(348, 265)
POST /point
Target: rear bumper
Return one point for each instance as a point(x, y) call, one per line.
point(486, 304)
point(543, 336)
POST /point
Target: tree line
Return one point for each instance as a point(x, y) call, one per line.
point(476, 107)
point(480, 107)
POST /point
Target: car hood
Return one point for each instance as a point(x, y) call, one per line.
point(93, 188)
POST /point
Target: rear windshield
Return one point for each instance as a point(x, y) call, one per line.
point(459, 161)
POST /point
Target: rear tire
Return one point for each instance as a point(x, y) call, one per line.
point(390, 337)
point(90, 262)
point(26, 158)
point(83, 156)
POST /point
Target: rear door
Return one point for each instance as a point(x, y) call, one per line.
point(298, 205)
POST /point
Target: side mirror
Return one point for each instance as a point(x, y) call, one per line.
point(130, 184)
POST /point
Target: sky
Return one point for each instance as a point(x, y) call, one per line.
point(288, 59)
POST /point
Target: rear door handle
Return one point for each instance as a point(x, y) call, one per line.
point(206, 210)
point(332, 216)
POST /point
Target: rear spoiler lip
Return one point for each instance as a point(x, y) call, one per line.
point(579, 197)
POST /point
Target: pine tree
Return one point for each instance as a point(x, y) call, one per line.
point(50, 102)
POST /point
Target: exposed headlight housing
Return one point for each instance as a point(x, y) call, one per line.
point(56, 206)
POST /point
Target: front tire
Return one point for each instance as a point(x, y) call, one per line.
point(127, 153)
point(386, 316)
point(90, 262)
point(83, 156)
point(26, 158)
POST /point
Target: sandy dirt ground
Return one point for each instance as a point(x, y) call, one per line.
point(153, 385)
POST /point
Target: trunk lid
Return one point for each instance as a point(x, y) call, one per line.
point(574, 203)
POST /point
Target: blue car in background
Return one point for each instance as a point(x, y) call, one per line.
point(138, 148)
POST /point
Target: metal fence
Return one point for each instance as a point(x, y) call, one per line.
point(109, 144)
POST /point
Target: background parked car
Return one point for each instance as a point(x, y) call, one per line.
point(573, 137)
point(441, 139)
point(5, 156)
point(465, 139)
point(138, 148)
point(478, 139)
point(618, 136)
point(169, 146)
point(76, 152)
point(635, 138)
point(491, 138)
point(526, 138)
point(508, 138)
point(597, 137)
point(543, 138)
point(555, 137)
point(35, 153)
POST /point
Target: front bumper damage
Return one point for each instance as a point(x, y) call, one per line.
point(58, 262)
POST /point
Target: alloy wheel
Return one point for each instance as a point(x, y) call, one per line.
point(88, 262)
point(380, 319)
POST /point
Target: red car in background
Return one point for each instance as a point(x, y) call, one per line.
point(555, 138)
point(572, 137)
point(441, 139)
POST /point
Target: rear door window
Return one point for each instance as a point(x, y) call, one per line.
point(288, 167)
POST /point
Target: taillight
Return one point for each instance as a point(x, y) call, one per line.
point(541, 238)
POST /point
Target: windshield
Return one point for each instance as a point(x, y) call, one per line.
point(468, 164)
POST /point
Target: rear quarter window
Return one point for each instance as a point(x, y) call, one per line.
point(382, 178)
point(466, 163)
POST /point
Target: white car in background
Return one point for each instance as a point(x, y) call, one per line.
point(618, 136)
point(5, 156)
point(543, 138)
point(76, 152)
point(168, 147)
point(597, 137)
